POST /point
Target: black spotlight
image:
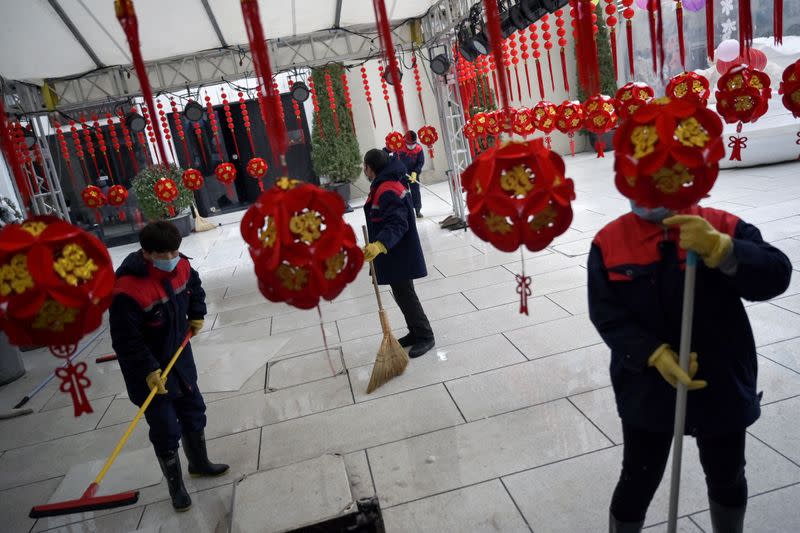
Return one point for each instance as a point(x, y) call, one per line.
point(135, 122)
point(480, 36)
point(300, 91)
point(507, 26)
point(465, 37)
point(554, 5)
point(30, 138)
point(440, 64)
point(518, 18)
point(387, 75)
point(533, 10)
point(193, 111)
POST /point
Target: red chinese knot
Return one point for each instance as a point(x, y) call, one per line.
point(192, 179)
point(601, 117)
point(631, 97)
point(790, 88)
point(428, 136)
point(395, 141)
point(93, 197)
point(257, 168)
point(743, 95)
point(688, 85)
point(117, 195)
point(523, 122)
point(226, 173)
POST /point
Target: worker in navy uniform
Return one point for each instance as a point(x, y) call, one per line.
point(394, 245)
point(413, 158)
point(636, 275)
point(158, 299)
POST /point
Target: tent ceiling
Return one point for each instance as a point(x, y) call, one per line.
point(35, 43)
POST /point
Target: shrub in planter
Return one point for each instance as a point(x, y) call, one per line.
point(144, 187)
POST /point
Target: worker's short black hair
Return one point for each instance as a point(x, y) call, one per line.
point(376, 160)
point(411, 136)
point(160, 237)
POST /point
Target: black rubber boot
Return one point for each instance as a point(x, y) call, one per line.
point(419, 213)
point(408, 340)
point(171, 467)
point(194, 446)
point(727, 519)
point(615, 526)
point(421, 348)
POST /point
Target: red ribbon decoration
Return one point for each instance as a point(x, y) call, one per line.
point(611, 20)
point(315, 101)
point(777, 21)
point(745, 27)
point(368, 94)
point(524, 290)
point(385, 89)
point(628, 15)
point(385, 32)
point(710, 30)
point(332, 99)
point(536, 56)
point(226, 107)
point(738, 144)
point(418, 82)
point(75, 382)
point(588, 66)
point(679, 21)
point(181, 133)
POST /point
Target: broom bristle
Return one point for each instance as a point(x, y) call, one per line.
point(391, 360)
point(201, 224)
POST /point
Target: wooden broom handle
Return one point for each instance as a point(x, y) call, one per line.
point(372, 273)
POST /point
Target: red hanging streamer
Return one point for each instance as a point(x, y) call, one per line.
point(562, 43)
point(276, 132)
point(279, 104)
point(101, 144)
point(523, 46)
point(777, 21)
point(198, 133)
point(588, 66)
point(745, 27)
point(62, 143)
point(418, 83)
point(151, 135)
point(385, 32)
point(660, 34)
point(162, 115)
point(11, 155)
point(537, 54)
point(127, 19)
point(115, 142)
point(180, 131)
point(493, 68)
point(332, 100)
point(315, 100)
point(246, 121)
point(506, 64)
point(212, 119)
point(548, 45)
point(628, 15)
point(87, 136)
point(348, 102)
point(512, 43)
point(681, 44)
point(226, 107)
point(126, 136)
point(76, 141)
point(368, 94)
point(710, 43)
point(651, 21)
point(297, 115)
point(381, 74)
point(611, 21)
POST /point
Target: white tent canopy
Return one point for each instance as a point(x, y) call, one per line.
point(36, 41)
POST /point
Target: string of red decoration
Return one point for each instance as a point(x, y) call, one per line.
point(679, 21)
point(548, 45)
point(198, 133)
point(226, 108)
point(180, 131)
point(101, 144)
point(628, 15)
point(368, 93)
point(332, 100)
point(495, 40)
point(76, 141)
point(418, 83)
point(151, 136)
point(710, 45)
point(348, 102)
point(611, 21)
point(115, 142)
point(523, 47)
point(162, 115)
point(297, 114)
point(62, 143)
point(777, 21)
point(588, 67)
point(315, 101)
point(126, 136)
point(246, 121)
point(562, 43)
point(212, 119)
point(87, 137)
point(385, 89)
point(385, 32)
point(537, 54)
point(745, 28)
point(512, 43)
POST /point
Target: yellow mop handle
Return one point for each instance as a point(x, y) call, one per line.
point(138, 416)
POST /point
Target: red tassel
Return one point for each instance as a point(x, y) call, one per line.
point(778, 21)
point(737, 143)
point(171, 210)
point(629, 36)
point(710, 30)
point(564, 68)
point(494, 84)
point(681, 45)
point(385, 32)
point(519, 89)
point(121, 215)
point(524, 290)
point(391, 119)
point(600, 146)
point(572, 143)
point(745, 27)
point(614, 52)
point(550, 66)
point(588, 66)
point(260, 185)
point(230, 191)
point(660, 34)
point(539, 75)
point(98, 217)
point(528, 79)
point(548, 142)
point(651, 20)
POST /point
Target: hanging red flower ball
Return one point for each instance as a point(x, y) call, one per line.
point(93, 197)
point(192, 179)
point(395, 141)
point(631, 97)
point(790, 88)
point(742, 96)
point(494, 121)
point(428, 136)
point(469, 130)
point(302, 249)
point(517, 194)
point(226, 173)
point(56, 283)
point(569, 120)
point(523, 122)
point(257, 168)
point(117, 195)
point(166, 190)
point(601, 117)
point(544, 116)
point(688, 85)
point(668, 153)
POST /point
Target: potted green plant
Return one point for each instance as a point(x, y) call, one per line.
point(155, 209)
point(334, 152)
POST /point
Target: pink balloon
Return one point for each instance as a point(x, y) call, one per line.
point(694, 5)
point(757, 60)
point(642, 4)
point(728, 50)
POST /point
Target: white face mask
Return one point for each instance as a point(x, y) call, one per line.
point(411, 146)
point(655, 214)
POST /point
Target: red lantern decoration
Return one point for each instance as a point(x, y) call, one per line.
point(601, 117)
point(668, 153)
point(58, 283)
point(418, 83)
point(548, 45)
point(569, 120)
point(315, 101)
point(302, 249)
point(94, 199)
point(631, 97)
point(167, 191)
point(688, 85)
point(348, 103)
point(368, 94)
point(544, 119)
point(518, 195)
point(395, 141)
point(523, 122)
point(117, 196)
point(536, 56)
point(428, 136)
point(226, 107)
point(192, 179)
point(226, 174)
point(756, 59)
point(562, 43)
point(742, 96)
point(257, 169)
point(331, 99)
point(628, 15)
point(385, 90)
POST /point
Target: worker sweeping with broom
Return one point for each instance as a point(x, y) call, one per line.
point(636, 269)
point(394, 245)
point(158, 298)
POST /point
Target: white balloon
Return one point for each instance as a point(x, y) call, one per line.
point(728, 50)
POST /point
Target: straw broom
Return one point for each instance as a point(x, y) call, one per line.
point(200, 223)
point(392, 359)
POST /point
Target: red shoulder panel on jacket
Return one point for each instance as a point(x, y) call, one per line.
point(144, 291)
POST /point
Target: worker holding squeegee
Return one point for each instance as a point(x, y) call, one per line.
point(157, 299)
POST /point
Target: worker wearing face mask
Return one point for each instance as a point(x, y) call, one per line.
point(158, 298)
point(636, 276)
point(413, 157)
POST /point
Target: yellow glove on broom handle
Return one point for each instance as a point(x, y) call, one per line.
point(90, 491)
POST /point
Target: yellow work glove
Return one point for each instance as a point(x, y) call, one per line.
point(373, 250)
point(413, 177)
point(154, 380)
point(666, 362)
point(196, 326)
point(701, 237)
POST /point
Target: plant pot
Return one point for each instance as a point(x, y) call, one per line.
point(11, 367)
point(183, 222)
point(343, 190)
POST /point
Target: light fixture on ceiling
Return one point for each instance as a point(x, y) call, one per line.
point(193, 111)
point(440, 64)
point(135, 122)
point(300, 91)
